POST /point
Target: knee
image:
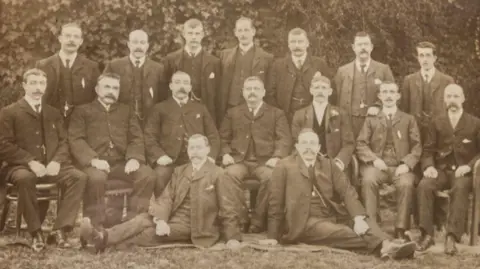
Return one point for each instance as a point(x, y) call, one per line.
point(426, 184)
point(145, 175)
point(80, 177)
point(462, 184)
point(234, 173)
point(24, 178)
point(163, 173)
point(370, 176)
point(96, 177)
point(406, 181)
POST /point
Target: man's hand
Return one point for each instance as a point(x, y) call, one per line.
point(373, 111)
point(227, 159)
point(53, 168)
point(360, 226)
point(401, 169)
point(340, 164)
point(162, 228)
point(131, 166)
point(272, 162)
point(164, 160)
point(233, 244)
point(380, 165)
point(462, 170)
point(37, 168)
point(431, 172)
point(101, 165)
point(268, 242)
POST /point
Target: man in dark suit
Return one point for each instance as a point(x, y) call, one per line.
point(451, 150)
point(34, 145)
point(203, 68)
point(238, 63)
point(310, 197)
point(71, 77)
point(356, 83)
point(107, 142)
point(142, 80)
point(389, 148)
point(254, 137)
point(290, 76)
point(169, 126)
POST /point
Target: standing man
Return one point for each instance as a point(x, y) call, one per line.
point(238, 63)
point(290, 76)
point(142, 80)
point(107, 142)
point(389, 148)
point(203, 68)
point(34, 144)
point(169, 126)
point(450, 153)
point(357, 82)
point(255, 136)
point(71, 77)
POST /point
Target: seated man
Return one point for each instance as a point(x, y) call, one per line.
point(107, 142)
point(389, 148)
point(451, 149)
point(310, 196)
point(34, 144)
point(192, 209)
point(254, 137)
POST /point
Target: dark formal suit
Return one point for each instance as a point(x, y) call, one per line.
point(252, 140)
point(154, 85)
point(259, 66)
point(208, 79)
point(26, 135)
point(166, 133)
point(446, 148)
point(114, 136)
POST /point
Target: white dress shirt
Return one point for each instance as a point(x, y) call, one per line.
point(244, 49)
point(197, 167)
point(389, 111)
point(359, 65)
point(430, 73)
point(194, 53)
point(455, 117)
point(319, 110)
point(296, 60)
point(134, 60)
point(255, 111)
point(180, 102)
point(32, 102)
point(106, 106)
point(64, 57)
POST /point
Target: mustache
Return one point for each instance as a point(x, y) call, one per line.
point(111, 96)
point(182, 90)
point(251, 95)
point(389, 99)
point(71, 44)
point(450, 105)
point(363, 51)
point(138, 50)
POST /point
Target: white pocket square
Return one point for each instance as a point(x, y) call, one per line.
point(198, 116)
point(212, 75)
point(399, 135)
point(151, 92)
point(336, 130)
point(261, 72)
point(211, 187)
point(466, 140)
point(83, 83)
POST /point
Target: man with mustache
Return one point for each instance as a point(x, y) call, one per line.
point(203, 68)
point(450, 151)
point(71, 76)
point(357, 82)
point(255, 136)
point(34, 145)
point(142, 80)
point(106, 141)
point(193, 209)
point(244, 60)
point(290, 77)
point(311, 201)
point(389, 149)
point(169, 126)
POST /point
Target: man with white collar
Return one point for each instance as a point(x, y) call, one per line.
point(389, 149)
point(244, 60)
point(357, 82)
point(193, 59)
point(450, 153)
point(142, 80)
point(169, 126)
point(71, 76)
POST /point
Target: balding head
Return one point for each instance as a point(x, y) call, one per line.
point(453, 97)
point(138, 44)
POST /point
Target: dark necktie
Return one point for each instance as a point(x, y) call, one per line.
point(363, 67)
point(67, 63)
point(426, 78)
point(37, 108)
point(137, 63)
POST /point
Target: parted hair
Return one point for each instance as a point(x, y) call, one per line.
point(254, 78)
point(33, 72)
point(427, 45)
point(108, 75)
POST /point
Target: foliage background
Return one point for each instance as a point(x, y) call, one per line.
point(29, 29)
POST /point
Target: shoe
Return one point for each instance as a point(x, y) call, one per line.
point(450, 248)
point(38, 243)
point(89, 234)
point(397, 250)
point(59, 237)
point(401, 234)
point(426, 241)
point(253, 229)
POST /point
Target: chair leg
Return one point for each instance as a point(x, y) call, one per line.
point(253, 199)
point(474, 226)
point(3, 218)
point(18, 222)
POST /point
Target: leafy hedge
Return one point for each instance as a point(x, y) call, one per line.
point(29, 29)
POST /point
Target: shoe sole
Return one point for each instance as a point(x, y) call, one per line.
point(404, 251)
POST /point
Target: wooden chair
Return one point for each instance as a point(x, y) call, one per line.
point(119, 188)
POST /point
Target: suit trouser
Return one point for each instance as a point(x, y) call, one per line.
point(357, 124)
point(70, 180)
point(372, 178)
point(94, 199)
point(164, 173)
point(238, 172)
point(458, 207)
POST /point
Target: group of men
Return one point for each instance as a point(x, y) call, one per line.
point(191, 129)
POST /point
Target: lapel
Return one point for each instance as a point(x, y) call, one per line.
point(302, 166)
point(78, 65)
point(261, 111)
point(257, 56)
point(205, 61)
point(350, 68)
point(28, 109)
point(291, 68)
point(372, 69)
point(309, 116)
point(397, 117)
point(462, 122)
point(307, 64)
point(418, 81)
point(327, 118)
point(56, 68)
point(445, 121)
point(178, 59)
point(203, 171)
point(127, 72)
point(147, 69)
point(382, 118)
point(230, 60)
point(435, 82)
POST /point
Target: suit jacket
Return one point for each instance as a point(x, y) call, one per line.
point(282, 78)
point(210, 79)
point(208, 202)
point(339, 139)
point(291, 190)
point(92, 128)
point(442, 140)
point(260, 67)
point(342, 96)
point(269, 130)
point(165, 130)
point(85, 73)
point(405, 133)
point(154, 89)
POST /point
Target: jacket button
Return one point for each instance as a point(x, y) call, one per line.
point(181, 126)
point(247, 136)
point(37, 133)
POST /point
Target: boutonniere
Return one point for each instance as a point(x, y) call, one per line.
point(377, 81)
point(334, 113)
point(198, 116)
point(209, 188)
point(83, 83)
point(212, 75)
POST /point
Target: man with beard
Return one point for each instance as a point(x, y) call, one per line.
point(107, 142)
point(71, 77)
point(357, 82)
point(309, 200)
point(450, 151)
point(238, 63)
point(389, 149)
point(169, 126)
point(34, 144)
point(192, 209)
point(202, 67)
point(255, 136)
point(290, 76)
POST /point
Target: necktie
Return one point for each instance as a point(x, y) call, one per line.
point(363, 67)
point(426, 78)
point(194, 171)
point(390, 116)
point(67, 63)
point(37, 108)
point(137, 63)
point(299, 63)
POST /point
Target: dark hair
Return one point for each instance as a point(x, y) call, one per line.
point(362, 34)
point(33, 72)
point(108, 75)
point(427, 45)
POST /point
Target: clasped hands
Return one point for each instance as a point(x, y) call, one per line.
point(461, 171)
point(52, 169)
